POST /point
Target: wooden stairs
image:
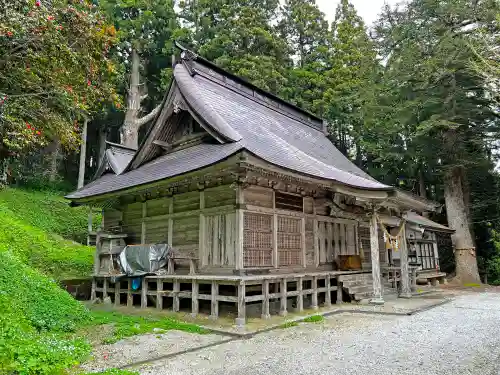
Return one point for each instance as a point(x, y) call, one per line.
point(358, 286)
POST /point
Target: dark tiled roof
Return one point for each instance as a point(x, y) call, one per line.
point(244, 119)
point(163, 167)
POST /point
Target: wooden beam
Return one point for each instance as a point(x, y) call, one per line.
point(405, 272)
point(165, 145)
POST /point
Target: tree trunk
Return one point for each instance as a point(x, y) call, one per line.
point(421, 189)
point(103, 133)
point(54, 161)
point(129, 132)
point(83, 151)
point(4, 171)
point(465, 254)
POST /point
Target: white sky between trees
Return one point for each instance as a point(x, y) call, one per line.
point(368, 9)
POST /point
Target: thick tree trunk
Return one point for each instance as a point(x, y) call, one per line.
point(103, 133)
point(129, 132)
point(54, 160)
point(83, 151)
point(421, 189)
point(456, 210)
point(4, 171)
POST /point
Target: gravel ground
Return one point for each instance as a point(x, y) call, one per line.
point(461, 337)
point(144, 347)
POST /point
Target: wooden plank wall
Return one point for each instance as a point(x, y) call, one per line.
point(200, 224)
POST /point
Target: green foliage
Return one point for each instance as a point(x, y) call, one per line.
point(54, 66)
point(23, 350)
point(44, 304)
point(47, 211)
point(239, 37)
point(44, 251)
point(314, 319)
point(289, 324)
point(131, 325)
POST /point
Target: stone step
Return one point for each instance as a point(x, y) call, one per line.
point(359, 289)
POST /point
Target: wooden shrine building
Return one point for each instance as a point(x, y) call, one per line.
point(264, 214)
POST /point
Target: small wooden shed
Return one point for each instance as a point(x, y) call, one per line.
point(258, 204)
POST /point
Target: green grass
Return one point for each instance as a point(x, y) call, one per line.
point(25, 231)
point(289, 324)
point(131, 325)
point(47, 211)
point(314, 319)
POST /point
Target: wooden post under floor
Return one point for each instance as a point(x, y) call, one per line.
point(405, 273)
point(265, 301)
point(328, 295)
point(240, 321)
point(300, 295)
point(283, 307)
point(375, 255)
point(214, 309)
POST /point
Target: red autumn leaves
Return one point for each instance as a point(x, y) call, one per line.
point(33, 129)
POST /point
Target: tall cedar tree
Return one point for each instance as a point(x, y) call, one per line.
point(239, 37)
point(440, 100)
point(352, 68)
point(305, 29)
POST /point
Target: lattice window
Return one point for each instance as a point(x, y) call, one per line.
point(289, 241)
point(257, 240)
point(290, 202)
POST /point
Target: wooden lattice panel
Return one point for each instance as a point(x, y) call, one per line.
point(289, 241)
point(257, 240)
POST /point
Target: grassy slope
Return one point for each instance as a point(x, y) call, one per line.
point(28, 230)
point(36, 316)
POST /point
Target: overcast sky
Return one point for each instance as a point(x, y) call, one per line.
point(368, 9)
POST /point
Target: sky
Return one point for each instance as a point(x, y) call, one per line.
point(368, 9)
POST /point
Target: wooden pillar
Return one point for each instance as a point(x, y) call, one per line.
point(265, 300)
point(283, 307)
point(315, 237)
point(170, 233)
point(240, 228)
point(405, 273)
point(159, 294)
point(328, 295)
point(300, 295)
point(339, 292)
point(240, 321)
point(117, 292)
point(194, 298)
point(143, 223)
point(144, 293)
point(176, 302)
point(375, 255)
point(92, 291)
point(414, 279)
point(105, 288)
point(214, 311)
point(130, 297)
point(275, 233)
point(314, 302)
point(202, 249)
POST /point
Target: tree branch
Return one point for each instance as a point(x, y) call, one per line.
point(145, 119)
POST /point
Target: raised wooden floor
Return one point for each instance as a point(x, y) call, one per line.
point(270, 293)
